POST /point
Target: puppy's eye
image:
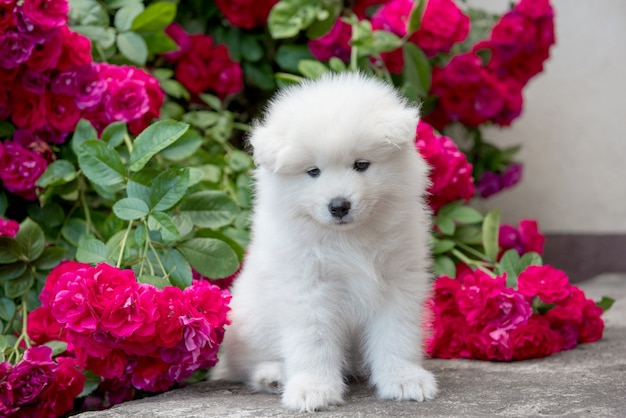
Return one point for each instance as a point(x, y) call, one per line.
point(361, 165)
point(313, 172)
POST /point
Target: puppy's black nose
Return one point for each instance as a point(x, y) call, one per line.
point(339, 207)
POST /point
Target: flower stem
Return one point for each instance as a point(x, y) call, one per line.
point(479, 265)
point(123, 244)
point(15, 352)
point(471, 250)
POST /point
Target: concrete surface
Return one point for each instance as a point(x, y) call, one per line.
point(589, 381)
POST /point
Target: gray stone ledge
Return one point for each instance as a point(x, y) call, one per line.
point(589, 381)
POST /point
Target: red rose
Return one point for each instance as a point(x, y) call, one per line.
point(226, 76)
point(246, 14)
point(8, 18)
point(110, 367)
point(475, 295)
point(444, 296)
point(45, 56)
point(178, 35)
point(451, 174)
point(443, 25)
point(535, 339)
point(8, 227)
point(42, 327)
point(75, 50)
point(448, 339)
point(20, 168)
point(535, 9)
point(592, 326)
point(489, 343)
point(61, 112)
point(46, 14)
point(335, 43)
point(67, 384)
point(546, 282)
point(30, 110)
point(192, 74)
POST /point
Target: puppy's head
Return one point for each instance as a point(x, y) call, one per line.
point(338, 149)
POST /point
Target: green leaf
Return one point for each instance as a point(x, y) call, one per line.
point(91, 251)
point(210, 257)
point(213, 101)
point(125, 16)
point(337, 65)
point(153, 139)
point(466, 215)
point(130, 209)
point(288, 17)
point(445, 224)
point(156, 17)
point(288, 56)
point(239, 161)
point(530, 259)
point(105, 37)
point(261, 74)
point(92, 381)
point(417, 71)
point(202, 119)
point(168, 188)
point(73, 229)
point(83, 132)
point(6, 129)
point(251, 49)
point(57, 173)
point(443, 245)
point(156, 281)
point(9, 250)
point(491, 228)
point(444, 266)
point(58, 347)
point(20, 285)
point(416, 15)
point(50, 258)
point(326, 18)
point(467, 234)
point(159, 43)
point(114, 134)
point(100, 164)
point(174, 89)
point(50, 215)
point(184, 147)
point(13, 270)
point(4, 203)
point(133, 47)
point(7, 309)
point(159, 221)
point(312, 69)
point(30, 239)
point(510, 264)
point(178, 269)
point(88, 12)
point(210, 209)
point(605, 303)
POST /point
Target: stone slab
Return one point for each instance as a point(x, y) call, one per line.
point(589, 381)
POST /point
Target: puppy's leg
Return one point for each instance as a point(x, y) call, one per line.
point(314, 363)
point(267, 377)
point(394, 352)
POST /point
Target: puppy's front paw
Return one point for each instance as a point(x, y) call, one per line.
point(305, 393)
point(411, 384)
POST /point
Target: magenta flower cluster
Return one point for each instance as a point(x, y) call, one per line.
point(48, 82)
point(131, 333)
point(472, 91)
point(477, 316)
point(451, 173)
point(39, 386)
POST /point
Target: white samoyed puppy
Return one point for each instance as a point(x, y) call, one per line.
point(338, 267)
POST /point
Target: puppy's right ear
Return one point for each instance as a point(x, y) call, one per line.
point(266, 145)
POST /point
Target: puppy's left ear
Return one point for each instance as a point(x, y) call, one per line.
point(266, 145)
point(400, 125)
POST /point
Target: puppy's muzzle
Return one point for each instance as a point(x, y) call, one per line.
point(339, 207)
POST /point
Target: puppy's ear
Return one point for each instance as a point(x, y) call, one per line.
point(400, 124)
point(266, 145)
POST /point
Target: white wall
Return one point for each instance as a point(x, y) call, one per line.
point(573, 128)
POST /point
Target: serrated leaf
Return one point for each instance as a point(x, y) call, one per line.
point(50, 258)
point(212, 258)
point(100, 164)
point(168, 188)
point(30, 239)
point(156, 281)
point(130, 209)
point(159, 221)
point(178, 269)
point(125, 16)
point(443, 245)
point(288, 56)
point(13, 270)
point(9, 250)
point(213, 101)
point(491, 227)
point(530, 259)
point(88, 12)
point(466, 215)
point(50, 215)
point(91, 251)
point(288, 17)
point(446, 225)
point(58, 347)
point(133, 47)
point(156, 17)
point(153, 139)
point(510, 264)
point(20, 285)
point(202, 119)
point(103, 36)
point(7, 309)
point(73, 229)
point(58, 172)
point(184, 147)
point(210, 209)
point(114, 134)
point(466, 234)
point(239, 160)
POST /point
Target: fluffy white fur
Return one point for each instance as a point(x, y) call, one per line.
point(321, 296)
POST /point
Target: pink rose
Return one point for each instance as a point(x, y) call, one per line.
point(524, 239)
point(110, 282)
point(8, 18)
point(43, 327)
point(178, 35)
point(226, 76)
point(449, 338)
point(15, 48)
point(67, 384)
point(535, 339)
point(546, 282)
point(75, 50)
point(151, 374)
point(490, 343)
point(56, 279)
point(362, 7)
point(45, 55)
point(126, 100)
point(172, 307)
point(444, 296)
point(131, 314)
point(8, 227)
point(476, 295)
point(30, 110)
point(70, 305)
point(32, 375)
point(61, 112)
point(20, 168)
point(335, 43)
point(246, 14)
point(443, 25)
point(46, 14)
point(451, 174)
point(535, 9)
point(592, 326)
point(511, 309)
point(110, 367)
